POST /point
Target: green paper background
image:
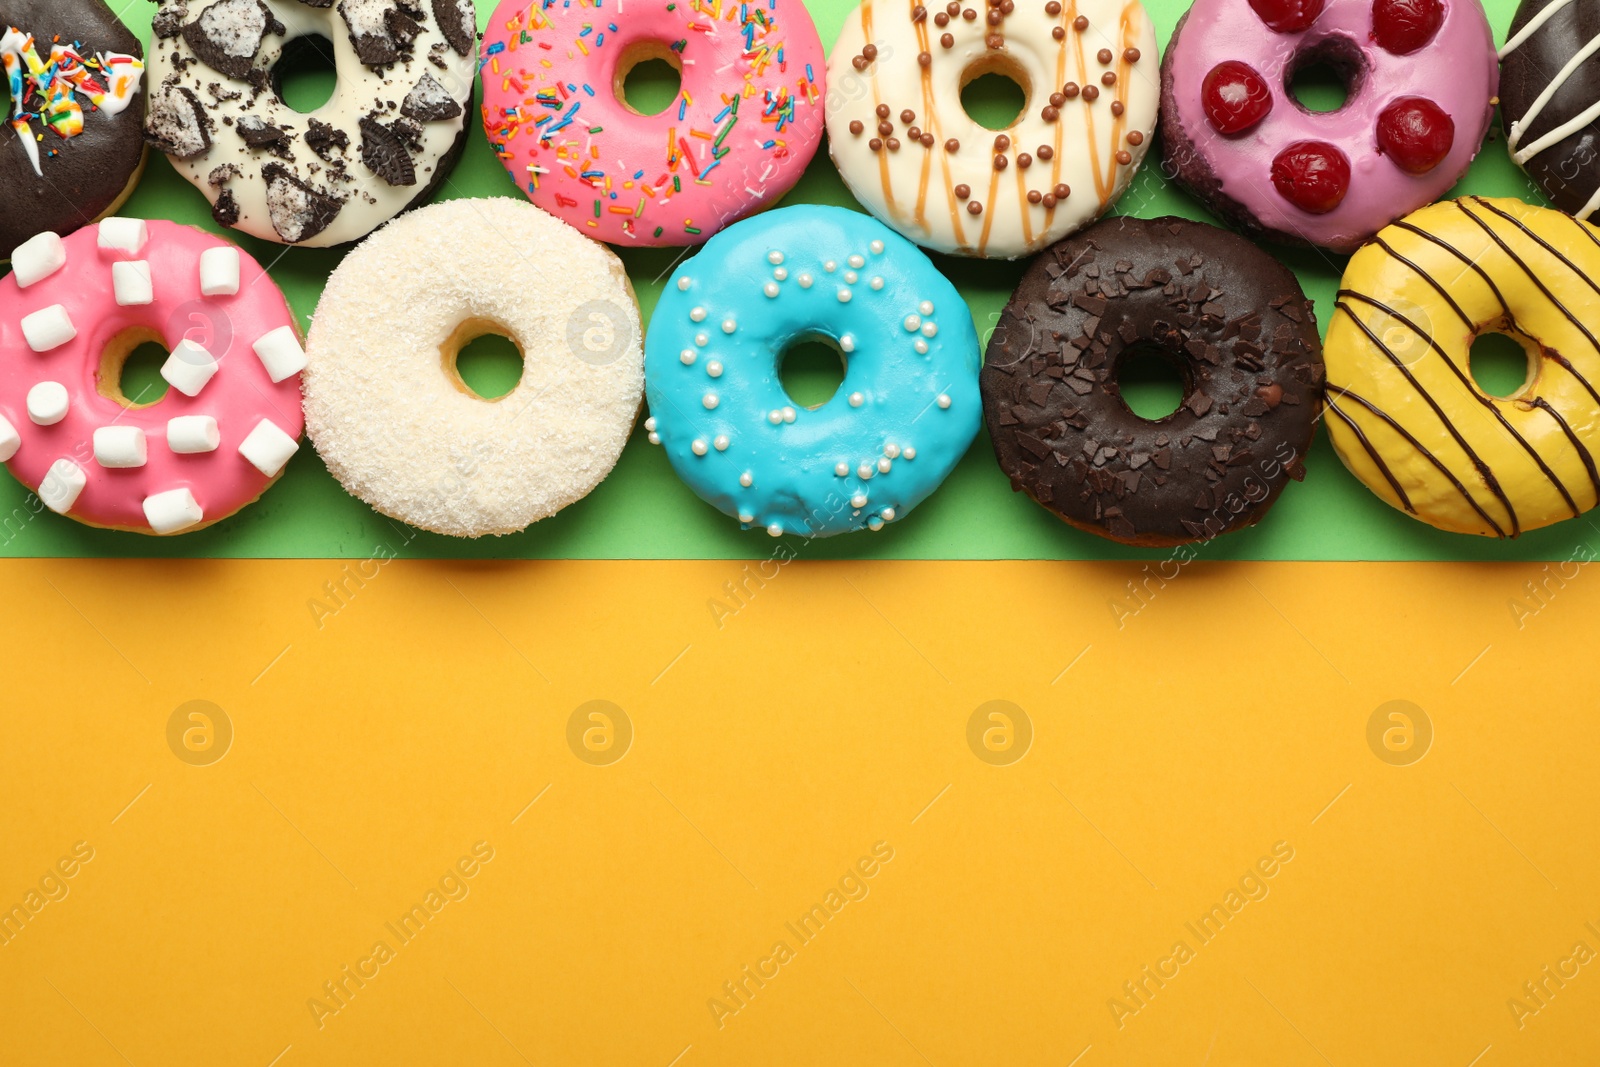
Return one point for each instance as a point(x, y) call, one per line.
point(643, 511)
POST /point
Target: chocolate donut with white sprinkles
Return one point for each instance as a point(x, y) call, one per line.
point(1232, 320)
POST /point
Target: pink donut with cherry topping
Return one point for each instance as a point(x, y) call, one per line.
point(75, 308)
point(747, 119)
point(1420, 75)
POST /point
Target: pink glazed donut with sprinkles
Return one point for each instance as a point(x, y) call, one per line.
point(747, 119)
point(76, 307)
point(1421, 77)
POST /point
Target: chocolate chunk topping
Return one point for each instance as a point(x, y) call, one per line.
point(385, 153)
point(177, 123)
point(222, 175)
point(298, 212)
point(226, 209)
point(430, 102)
point(379, 31)
point(258, 133)
point(227, 36)
point(458, 23)
point(168, 22)
point(325, 140)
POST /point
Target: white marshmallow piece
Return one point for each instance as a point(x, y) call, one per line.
point(10, 440)
point(120, 446)
point(188, 368)
point(281, 353)
point(188, 435)
point(48, 403)
point(37, 258)
point(130, 281)
point(268, 448)
point(61, 486)
point(172, 511)
point(48, 329)
point(219, 272)
point(124, 235)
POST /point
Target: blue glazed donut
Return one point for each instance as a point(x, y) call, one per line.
point(903, 417)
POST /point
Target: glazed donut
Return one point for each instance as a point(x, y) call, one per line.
point(1421, 76)
point(902, 418)
point(1550, 99)
point(746, 121)
point(392, 417)
point(72, 147)
point(908, 151)
point(385, 142)
point(76, 307)
point(1404, 412)
point(1233, 320)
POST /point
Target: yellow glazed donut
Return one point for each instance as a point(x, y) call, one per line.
point(1403, 410)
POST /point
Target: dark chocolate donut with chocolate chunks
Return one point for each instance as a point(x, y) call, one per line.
point(384, 143)
point(1228, 316)
point(1550, 100)
point(72, 145)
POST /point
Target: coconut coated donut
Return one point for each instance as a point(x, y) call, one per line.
point(747, 120)
point(75, 307)
point(394, 421)
point(72, 144)
point(385, 141)
point(1404, 412)
point(1421, 75)
point(1235, 322)
point(904, 415)
point(1550, 100)
point(909, 152)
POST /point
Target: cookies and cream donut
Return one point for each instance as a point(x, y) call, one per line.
point(386, 140)
point(391, 416)
point(1421, 77)
point(746, 121)
point(910, 153)
point(1550, 100)
point(902, 418)
point(1404, 412)
point(1230, 317)
point(76, 307)
point(72, 143)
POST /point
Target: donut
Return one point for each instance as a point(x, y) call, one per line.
point(385, 142)
point(901, 419)
point(391, 416)
point(1404, 412)
point(1232, 319)
point(745, 123)
point(1550, 99)
point(910, 153)
point(77, 307)
point(1421, 77)
point(72, 147)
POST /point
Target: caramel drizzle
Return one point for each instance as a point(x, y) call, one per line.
point(1068, 13)
point(885, 179)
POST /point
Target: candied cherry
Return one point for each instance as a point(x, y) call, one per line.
point(1287, 16)
point(1415, 133)
point(1312, 175)
point(1235, 97)
point(1403, 26)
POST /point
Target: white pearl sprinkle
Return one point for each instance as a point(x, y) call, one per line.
point(874, 524)
point(858, 261)
point(698, 447)
point(830, 266)
point(877, 248)
point(856, 400)
point(655, 438)
point(859, 500)
point(926, 307)
point(775, 530)
point(746, 518)
point(788, 414)
point(844, 296)
point(650, 423)
point(746, 480)
point(851, 277)
point(944, 400)
point(888, 514)
point(774, 416)
point(912, 324)
point(865, 471)
point(709, 400)
point(683, 285)
point(728, 325)
point(847, 343)
point(782, 274)
point(697, 314)
point(702, 339)
point(686, 357)
point(771, 289)
point(892, 450)
point(841, 469)
point(774, 258)
point(929, 329)
point(884, 465)
point(909, 454)
point(804, 280)
point(720, 442)
point(714, 368)
point(921, 346)
point(876, 283)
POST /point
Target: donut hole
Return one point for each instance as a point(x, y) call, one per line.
point(1503, 364)
point(811, 368)
point(483, 359)
point(305, 76)
point(995, 90)
point(649, 77)
point(1325, 76)
point(1150, 381)
point(130, 368)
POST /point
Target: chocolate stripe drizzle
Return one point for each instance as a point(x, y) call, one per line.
point(1372, 454)
point(1582, 450)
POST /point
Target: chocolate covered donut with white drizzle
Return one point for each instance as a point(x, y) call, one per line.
point(1550, 100)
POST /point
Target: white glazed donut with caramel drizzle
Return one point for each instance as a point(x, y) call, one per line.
point(910, 153)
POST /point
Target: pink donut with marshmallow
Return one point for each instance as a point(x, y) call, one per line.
point(76, 307)
point(747, 119)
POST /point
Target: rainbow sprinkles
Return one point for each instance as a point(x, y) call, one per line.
point(47, 90)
